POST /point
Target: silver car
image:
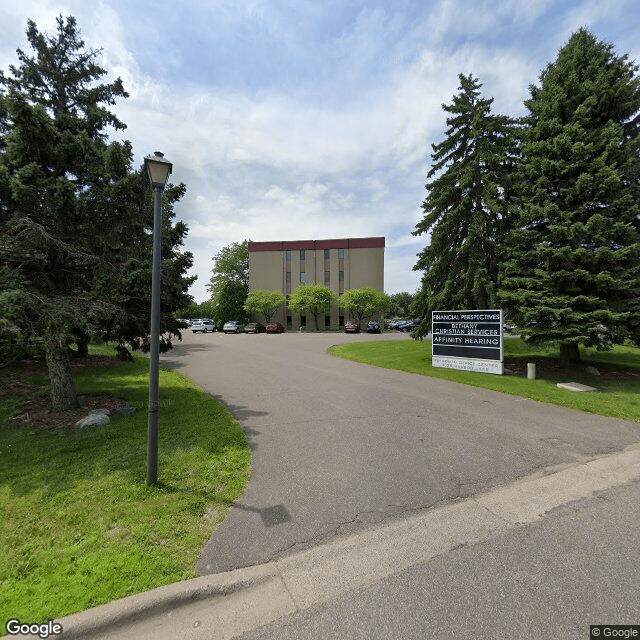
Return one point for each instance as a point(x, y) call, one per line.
point(203, 325)
point(233, 326)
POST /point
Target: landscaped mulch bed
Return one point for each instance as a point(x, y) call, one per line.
point(35, 409)
point(548, 367)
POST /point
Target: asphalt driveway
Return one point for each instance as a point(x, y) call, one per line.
point(338, 446)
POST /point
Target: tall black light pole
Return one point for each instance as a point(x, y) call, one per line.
point(159, 170)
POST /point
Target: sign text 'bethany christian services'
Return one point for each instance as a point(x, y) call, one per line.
point(468, 340)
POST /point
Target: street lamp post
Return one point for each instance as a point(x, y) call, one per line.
point(158, 169)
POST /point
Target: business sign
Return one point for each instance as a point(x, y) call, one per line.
point(467, 340)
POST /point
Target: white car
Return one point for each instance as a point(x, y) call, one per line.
point(204, 326)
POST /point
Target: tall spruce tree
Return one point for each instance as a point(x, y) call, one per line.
point(571, 271)
point(465, 207)
point(75, 219)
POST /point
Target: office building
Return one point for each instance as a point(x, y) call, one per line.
point(339, 264)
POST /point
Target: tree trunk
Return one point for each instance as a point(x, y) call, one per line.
point(82, 344)
point(569, 354)
point(63, 390)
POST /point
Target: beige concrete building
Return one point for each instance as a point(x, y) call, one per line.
point(340, 264)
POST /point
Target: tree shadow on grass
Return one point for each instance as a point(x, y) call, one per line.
point(53, 461)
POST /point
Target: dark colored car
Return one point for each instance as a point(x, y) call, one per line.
point(408, 326)
point(351, 326)
point(275, 327)
point(254, 327)
point(373, 327)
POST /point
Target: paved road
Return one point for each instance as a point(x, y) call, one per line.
point(339, 446)
point(551, 579)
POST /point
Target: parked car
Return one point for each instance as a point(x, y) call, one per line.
point(233, 326)
point(255, 327)
point(204, 325)
point(373, 327)
point(351, 326)
point(275, 327)
point(409, 325)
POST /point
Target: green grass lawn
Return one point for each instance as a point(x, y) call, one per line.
point(80, 527)
point(617, 396)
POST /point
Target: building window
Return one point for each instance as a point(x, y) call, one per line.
point(303, 277)
point(327, 321)
point(302, 254)
point(327, 277)
point(340, 254)
point(341, 321)
point(288, 276)
point(341, 276)
point(288, 254)
point(327, 254)
point(289, 322)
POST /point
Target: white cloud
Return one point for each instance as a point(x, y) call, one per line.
point(297, 119)
point(593, 12)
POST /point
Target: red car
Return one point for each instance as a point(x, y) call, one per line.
point(351, 327)
point(275, 327)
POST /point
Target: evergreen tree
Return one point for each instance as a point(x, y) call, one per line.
point(75, 220)
point(571, 273)
point(465, 207)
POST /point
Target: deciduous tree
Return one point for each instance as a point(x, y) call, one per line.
point(229, 283)
point(315, 299)
point(264, 302)
point(400, 304)
point(363, 302)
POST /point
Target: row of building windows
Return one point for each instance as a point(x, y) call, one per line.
point(327, 276)
point(327, 254)
point(303, 321)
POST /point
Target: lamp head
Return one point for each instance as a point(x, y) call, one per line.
point(158, 169)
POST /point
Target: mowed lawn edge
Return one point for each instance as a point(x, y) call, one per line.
point(617, 397)
point(81, 528)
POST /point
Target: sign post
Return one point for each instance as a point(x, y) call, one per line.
point(468, 340)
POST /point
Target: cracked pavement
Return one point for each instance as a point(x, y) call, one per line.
point(338, 447)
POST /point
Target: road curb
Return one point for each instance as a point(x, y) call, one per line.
point(139, 607)
point(227, 604)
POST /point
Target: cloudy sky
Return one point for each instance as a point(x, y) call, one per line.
point(312, 119)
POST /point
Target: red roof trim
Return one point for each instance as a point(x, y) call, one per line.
point(265, 246)
point(294, 245)
point(366, 243)
point(332, 244)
